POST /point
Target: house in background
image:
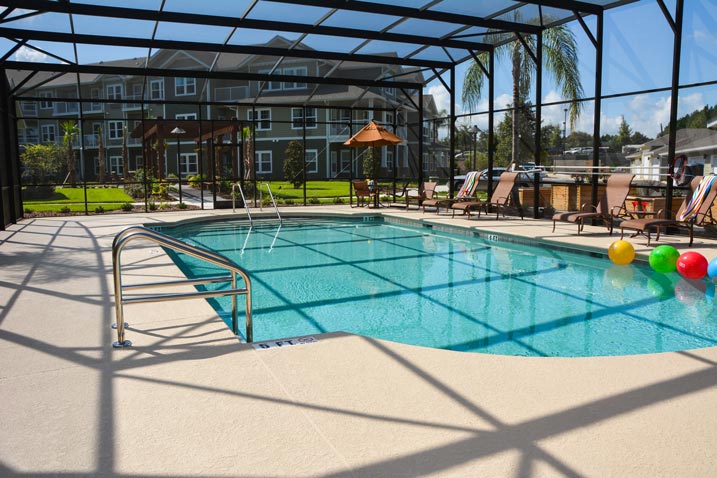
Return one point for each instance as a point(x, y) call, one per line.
point(651, 164)
point(320, 116)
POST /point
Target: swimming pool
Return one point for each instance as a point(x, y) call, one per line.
point(464, 292)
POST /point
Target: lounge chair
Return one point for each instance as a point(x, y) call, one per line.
point(424, 192)
point(466, 193)
point(362, 191)
point(696, 210)
point(499, 200)
point(610, 206)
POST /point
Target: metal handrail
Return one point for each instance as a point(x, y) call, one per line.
point(236, 186)
point(139, 232)
point(273, 202)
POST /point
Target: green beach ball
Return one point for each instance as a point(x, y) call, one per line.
point(663, 259)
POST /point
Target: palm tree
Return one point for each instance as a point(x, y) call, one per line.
point(560, 57)
point(71, 130)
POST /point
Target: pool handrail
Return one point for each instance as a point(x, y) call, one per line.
point(139, 232)
point(236, 186)
point(273, 201)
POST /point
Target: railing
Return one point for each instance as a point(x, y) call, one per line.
point(236, 186)
point(272, 200)
point(138, 232)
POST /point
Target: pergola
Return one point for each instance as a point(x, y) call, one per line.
point(429, 36)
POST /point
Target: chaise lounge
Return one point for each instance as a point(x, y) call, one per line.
point(610, 206)
point(696, 210)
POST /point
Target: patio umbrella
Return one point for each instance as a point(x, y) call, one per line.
point(373, 135)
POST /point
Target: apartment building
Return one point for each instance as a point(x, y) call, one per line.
point(116, 110)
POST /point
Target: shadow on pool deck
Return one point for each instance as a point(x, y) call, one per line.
point(187, 400)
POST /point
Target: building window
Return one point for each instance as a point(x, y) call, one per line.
point(185, 86)
point(297, 115)
point(263, 119)
point(28, 108)
point(115, 165)
point(156, 90)
point(45, 104)
point(299, 71)
point(188, 164)
point(115, 129)
point(263, 162)
point(186, 116)
point(388, 161)
point(311, 158)
point(114, 92)
point(48, 133)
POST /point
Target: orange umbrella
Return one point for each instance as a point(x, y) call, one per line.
point(373, 135)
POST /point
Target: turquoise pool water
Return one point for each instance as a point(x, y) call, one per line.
point(425, 287)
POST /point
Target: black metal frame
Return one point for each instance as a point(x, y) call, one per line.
point(462, 38)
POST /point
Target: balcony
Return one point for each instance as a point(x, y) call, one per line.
point(233, 93)
point(132, 106)
point(62, 108)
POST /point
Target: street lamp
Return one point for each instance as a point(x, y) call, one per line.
point(565, 128)
point(474, 132)
point(178, 132)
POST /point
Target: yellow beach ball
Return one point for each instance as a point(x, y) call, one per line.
point(621, 253)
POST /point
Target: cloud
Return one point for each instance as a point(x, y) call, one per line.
point(28, 54)
point(443, 99)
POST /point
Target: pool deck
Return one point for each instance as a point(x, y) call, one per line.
point(188, 400)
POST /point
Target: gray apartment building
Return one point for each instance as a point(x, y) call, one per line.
point(270, 114)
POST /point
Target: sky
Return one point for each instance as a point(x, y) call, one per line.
point(637, 56)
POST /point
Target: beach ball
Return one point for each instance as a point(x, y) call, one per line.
point(664, 259)
point(621, 252)
point(712, 269)
point(692, 265)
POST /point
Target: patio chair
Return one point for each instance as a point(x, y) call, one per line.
point(499, 200)
point(466, 193)
point(695, 210)
point(362, 191)
point(610, 206)
point(426, 191)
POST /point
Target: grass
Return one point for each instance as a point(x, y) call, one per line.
point(111, 199)
point(314, 189)
point(77, 195)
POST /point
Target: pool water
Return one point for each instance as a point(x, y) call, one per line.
point(417, 285)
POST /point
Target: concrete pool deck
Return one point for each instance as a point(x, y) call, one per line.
point(187, 400)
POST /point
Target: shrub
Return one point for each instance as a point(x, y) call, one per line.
point(99, 209)
point(339, 200)
point(28, 210)
point(38, 192)
point(314, 201)
point(289, 201)
point(128, 206)
point(65, 210)
point(182, 205)
point(152, 206)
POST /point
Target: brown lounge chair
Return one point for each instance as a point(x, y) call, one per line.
point(465, 193)
point(362, 191)
point(499, 199)
point(702, 216)
point(425, 192)
point(610, 206)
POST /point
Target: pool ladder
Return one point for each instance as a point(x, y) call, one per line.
point(236, 186)
point(138, 232)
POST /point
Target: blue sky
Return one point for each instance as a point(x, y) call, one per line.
point(637, 56)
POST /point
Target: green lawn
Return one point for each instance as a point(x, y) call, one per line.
point(314, 189)
point(111, 199)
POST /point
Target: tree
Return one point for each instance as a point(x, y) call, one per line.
point(294, 164)
point(624, 133)
point(371, 164)
point(71, 130)
point(561, 59)
point(39, 160)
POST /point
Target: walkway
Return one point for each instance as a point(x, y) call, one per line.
point(189, 401)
